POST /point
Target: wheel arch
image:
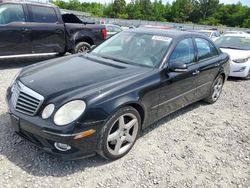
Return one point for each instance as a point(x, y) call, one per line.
point(85, 39)
point(223, 75)
point(83, 36)
point(136, 105)
point(139, 109)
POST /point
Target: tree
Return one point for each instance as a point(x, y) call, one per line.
point(108, 11)
point(61, 4)
point(238, 14)
point(205, 8)
point(167, 12)
point(208, 12)
point(181, 10)
point(119, 7)
point(74, 5)
point(233, 15)
point(246, 23)
point(134, 10)
point(95, 9)
point(158, 11)
point(210, 21)
point(146, 9)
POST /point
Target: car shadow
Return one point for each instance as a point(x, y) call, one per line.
point(235, 79)
point(22, 62)
point(38, 163)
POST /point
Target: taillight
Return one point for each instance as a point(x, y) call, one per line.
point(104, 32)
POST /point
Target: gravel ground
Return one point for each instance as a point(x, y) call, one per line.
point(198, 146)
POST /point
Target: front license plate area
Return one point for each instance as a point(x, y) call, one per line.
point(15, 122)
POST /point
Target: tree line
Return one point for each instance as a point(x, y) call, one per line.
point(209, 12)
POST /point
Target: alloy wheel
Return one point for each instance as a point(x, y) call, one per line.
point(217, 88)
point(122, 134)
point(83, 49)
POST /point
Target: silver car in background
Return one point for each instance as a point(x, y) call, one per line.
point(238, 48)
point(214, 35)
point(112, 29)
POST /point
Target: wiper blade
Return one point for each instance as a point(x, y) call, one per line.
point(115, 59)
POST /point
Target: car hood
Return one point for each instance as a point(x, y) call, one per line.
point(236, 54)
point(85, 72)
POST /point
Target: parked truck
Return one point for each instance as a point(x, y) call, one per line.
point(28, 28)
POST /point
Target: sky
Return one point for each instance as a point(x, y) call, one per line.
point(244, 2)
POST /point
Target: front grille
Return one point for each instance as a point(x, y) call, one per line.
point(25, 100)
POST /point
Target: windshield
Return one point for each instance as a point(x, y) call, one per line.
point(205, 33)
point(234, 42)
point(134, 48)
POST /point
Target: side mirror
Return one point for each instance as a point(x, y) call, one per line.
point(178, 67)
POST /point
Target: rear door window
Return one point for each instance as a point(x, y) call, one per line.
point(43, 14)
point(11, 13)
point(205, 49)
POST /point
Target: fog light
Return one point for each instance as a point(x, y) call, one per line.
point(241, 69)
point(62, 147)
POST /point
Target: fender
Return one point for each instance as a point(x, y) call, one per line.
point(225, 67)
point(132, 100)
point(104, 106)
point(83, 36)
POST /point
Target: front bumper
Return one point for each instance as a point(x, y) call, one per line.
point(35, 130)
point(239, 69)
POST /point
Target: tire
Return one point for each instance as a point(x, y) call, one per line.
point(215, 90)
point(81, 47)
point(115, 140)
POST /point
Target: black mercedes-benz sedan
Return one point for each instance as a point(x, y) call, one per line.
point(83, 104)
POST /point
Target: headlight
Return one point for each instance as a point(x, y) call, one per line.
point(48, 110)
point(69, 112)
point(243, 60)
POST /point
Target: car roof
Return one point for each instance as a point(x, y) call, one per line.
point(28, 2)
point(238, 35)
point(111, 25)
point(210, 31)
point(235, 32)
point(163, 32)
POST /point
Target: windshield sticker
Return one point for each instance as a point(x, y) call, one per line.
point(245, 40)
point(161, 38)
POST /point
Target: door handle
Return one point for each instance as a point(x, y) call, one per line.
point(25, 30)
point(196, 72)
